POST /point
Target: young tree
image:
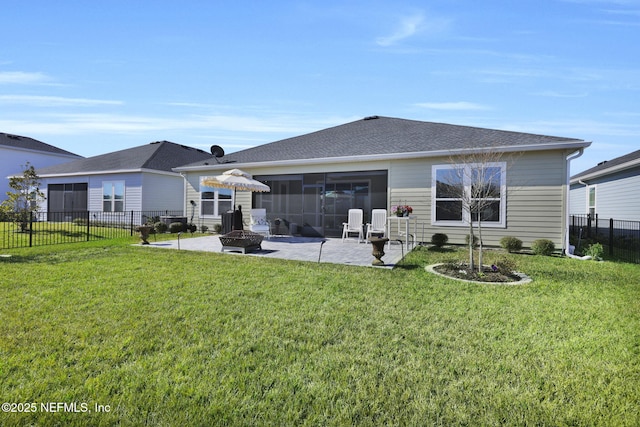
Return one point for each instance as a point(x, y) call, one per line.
point(475, 184)
point(24, 195)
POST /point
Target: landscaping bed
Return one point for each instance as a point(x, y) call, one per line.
point(489, 274)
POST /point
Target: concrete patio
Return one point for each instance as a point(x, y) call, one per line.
point(311, 249)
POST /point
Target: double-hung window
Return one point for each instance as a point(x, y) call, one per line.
point(113, 196)
point(215, 201)
point(464, 193)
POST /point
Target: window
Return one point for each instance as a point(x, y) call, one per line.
point(113, 196)
point(215, 201)
point(591, 207)
point(463, 193)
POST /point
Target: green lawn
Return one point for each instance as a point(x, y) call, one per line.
point(161, 337)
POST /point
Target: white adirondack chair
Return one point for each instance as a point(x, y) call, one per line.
point(354, 225)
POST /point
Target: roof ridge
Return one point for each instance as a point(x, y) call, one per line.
point(159, 144)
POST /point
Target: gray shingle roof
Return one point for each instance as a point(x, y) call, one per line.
point(386, 135)
point(609, 164)
point(161, 156)
point(24, 142)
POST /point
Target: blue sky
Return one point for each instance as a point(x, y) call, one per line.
point(94, 77)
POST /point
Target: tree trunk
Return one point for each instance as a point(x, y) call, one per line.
point(471, 239)
point(480, 257)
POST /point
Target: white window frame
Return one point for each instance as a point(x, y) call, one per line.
point(215, 200)
point(112, 196)
point(595, 198)
point(502, 223)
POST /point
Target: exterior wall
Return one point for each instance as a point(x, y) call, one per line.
point(578, 200)
point(535, 198)
point(143, 191)
point(617, 196)
point(162, 192)
point(133, 193)
point(536, 185)
point(12, 161)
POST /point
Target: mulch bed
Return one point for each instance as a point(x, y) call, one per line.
point(462, 271)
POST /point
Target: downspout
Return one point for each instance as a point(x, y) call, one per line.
point(184, 193)
point(572, 156)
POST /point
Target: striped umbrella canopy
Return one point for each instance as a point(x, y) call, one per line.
point(235, 179)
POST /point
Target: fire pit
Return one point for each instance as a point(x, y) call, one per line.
point(240, 240)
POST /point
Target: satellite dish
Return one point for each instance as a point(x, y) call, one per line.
point(217, 151)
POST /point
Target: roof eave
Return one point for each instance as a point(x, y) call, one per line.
point(109, 172)
point(606, 171)
point(385, 157)
point(49, 153)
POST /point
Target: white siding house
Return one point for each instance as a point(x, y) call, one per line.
point(610, 189)
point(16, 151)
point(136, 179)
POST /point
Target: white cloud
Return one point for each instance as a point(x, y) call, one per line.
point(412, 25)
point(53, 101)
point(452, 106)
point(21, 77)
point(555, 94)
point(95, 123)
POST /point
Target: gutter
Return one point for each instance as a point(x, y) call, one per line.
point(184, 193)
point(565, 246)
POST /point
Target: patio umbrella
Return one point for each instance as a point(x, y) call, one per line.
point(235, 179)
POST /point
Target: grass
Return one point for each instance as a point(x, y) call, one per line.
point(188, 338)
point(50, 233)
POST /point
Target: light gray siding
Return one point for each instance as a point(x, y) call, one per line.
point(535, 198)
point(618, 195)
point(578, 200)
point(162, 192)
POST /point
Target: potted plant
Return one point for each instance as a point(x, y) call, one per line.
point(401, 210)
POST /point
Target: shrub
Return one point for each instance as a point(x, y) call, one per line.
point(217, 228)
point(543, 247)
point(595, 251)
point(204, 228)
point(191, 227)
point(160, 227)
point(439, 239)
point(468, 237)
point(79, 221)
point(505, 265)
point(176, 227)
point(511, 244)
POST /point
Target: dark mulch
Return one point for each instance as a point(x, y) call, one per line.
point(462, 271)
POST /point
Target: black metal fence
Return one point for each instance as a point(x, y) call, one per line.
point(620, 239)
point(49, 228)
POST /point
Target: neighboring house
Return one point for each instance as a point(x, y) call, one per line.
point(135, 179)
point(609, 189)
point(16, 151)
point(378, 162)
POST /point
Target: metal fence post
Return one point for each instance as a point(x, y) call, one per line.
point(131, 224)
point(30, 229)
point(88, 226)
point(610, 236)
